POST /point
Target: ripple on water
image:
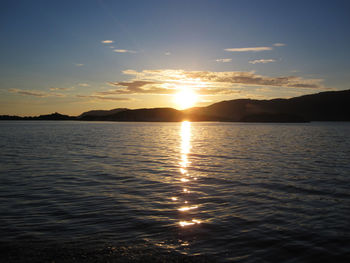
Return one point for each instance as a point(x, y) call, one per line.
point(230, 191)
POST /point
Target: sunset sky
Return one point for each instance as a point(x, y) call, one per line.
point(74, 56)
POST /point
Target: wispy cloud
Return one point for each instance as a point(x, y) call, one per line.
point(209, 80)
point(252, 79)
point(35, 93)
point(224, 60)
point(107, 41)
point(279, 45)
point(28, 92)
point(248, 49)
point(217, 91)
point(137, 87)
point(159, 88)
point(63, 89)
point(100, 97)
point(79, 65)
point(83, 85)
point(124, 51)
point(262, 61)
point(167, 53)
point(254, 49)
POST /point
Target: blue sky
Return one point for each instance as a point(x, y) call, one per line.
point(53, 57)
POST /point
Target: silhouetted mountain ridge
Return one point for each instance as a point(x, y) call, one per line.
point(154, 114)
point(95, 114)
point(324, 106)
point(53, 116)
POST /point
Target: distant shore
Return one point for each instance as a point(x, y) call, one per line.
point(324, 106)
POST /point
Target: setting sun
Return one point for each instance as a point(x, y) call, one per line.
point(185, 98)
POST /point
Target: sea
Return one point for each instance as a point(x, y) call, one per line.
point(74, 191)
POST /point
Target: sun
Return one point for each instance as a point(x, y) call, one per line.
point(185, 98)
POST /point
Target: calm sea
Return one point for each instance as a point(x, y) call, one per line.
point(226, 191)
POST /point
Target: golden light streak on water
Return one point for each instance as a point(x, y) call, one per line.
point(189, 223)
point(186, 223)
point(184, 165)
point(185, 137)
point(182, 170)
point(185, 145)
point(186, 208)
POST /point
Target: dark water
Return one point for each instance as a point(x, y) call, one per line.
point(228, 191)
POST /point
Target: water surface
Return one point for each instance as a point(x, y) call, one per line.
point(229, 191)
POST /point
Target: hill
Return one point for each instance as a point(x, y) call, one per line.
point(155, 114)
point(52, 117)
point(95, 114)
point(324, 106)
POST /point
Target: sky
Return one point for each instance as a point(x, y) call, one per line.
point(74, 56)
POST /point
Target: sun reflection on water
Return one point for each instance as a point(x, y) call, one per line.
point(186, 208)
point(189, 223)
point(186, 178)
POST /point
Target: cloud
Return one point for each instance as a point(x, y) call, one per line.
point(79, 65)
point(83, 85)
point(167, 53)
point(217, 91)
point(124, 51)
point(103, 97)
point(263, 61)
point(130, 72)
point(60, 95)
point(159, 88)
point(35, 93)
point(252, 79)
point(224, 60)
point(107, 41)
point(202, 80)
point(279, 45)
point(53, 89)
point(254, 49)
point(248, 49)
point(28, 92)
point(137, 87)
